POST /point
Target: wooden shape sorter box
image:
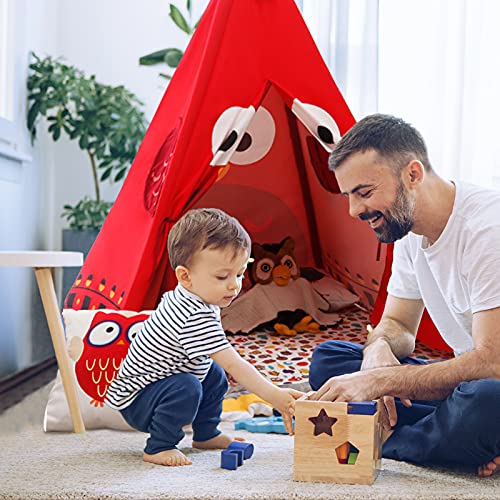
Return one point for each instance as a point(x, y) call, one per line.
point(323, 429)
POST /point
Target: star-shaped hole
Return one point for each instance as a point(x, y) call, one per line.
point(323, 423)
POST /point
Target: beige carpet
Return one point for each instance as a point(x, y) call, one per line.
point(107, 464)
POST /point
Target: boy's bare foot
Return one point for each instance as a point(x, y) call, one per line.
point(490, 468)
point(168, 457)
point(220, 442)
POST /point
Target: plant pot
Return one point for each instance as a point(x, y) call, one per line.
point(76, 241)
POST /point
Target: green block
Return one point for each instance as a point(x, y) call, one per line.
point(352, 458)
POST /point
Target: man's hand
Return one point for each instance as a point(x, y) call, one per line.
point(358, 386)
point(377, 355)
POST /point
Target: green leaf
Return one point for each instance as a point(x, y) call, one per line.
point(74, 133)
point(164, 75)
point(179, 19)
point(57, 133)
point(106, 173)
point(188, 5)
point(83, 142)
point(157, 57)
point(32, 115)
point(120, 175)
point(173, 57)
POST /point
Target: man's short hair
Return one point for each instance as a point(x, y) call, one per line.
point(202, 228)
point(391, 137)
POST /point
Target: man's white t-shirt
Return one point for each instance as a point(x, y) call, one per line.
point(459, 274)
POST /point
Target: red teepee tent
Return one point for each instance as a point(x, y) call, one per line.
point(245, 125)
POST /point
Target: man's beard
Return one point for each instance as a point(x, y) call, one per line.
point(397, 220)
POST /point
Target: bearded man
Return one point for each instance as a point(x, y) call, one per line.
point(447, 259)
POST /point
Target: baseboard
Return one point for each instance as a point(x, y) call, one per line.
point(23, 376)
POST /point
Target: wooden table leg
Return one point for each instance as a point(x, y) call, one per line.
point(49, 300)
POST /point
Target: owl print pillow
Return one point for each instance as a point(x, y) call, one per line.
point(97, 342)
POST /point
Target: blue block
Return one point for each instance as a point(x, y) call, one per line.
point(262, 424)
point(247, 448)
point(228, 460)
point(362, 408)
point(239, 454)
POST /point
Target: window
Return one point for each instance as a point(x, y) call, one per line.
point(435, 64)
point(7, 128)
point(446, 82)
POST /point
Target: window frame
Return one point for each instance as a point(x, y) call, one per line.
point(7, 69)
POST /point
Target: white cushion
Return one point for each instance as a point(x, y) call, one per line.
point(97, 342)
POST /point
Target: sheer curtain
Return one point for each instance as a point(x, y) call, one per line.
point(434, 63)
point(346, 32)
point(439, 68)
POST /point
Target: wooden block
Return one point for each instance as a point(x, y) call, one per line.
point(323, 434)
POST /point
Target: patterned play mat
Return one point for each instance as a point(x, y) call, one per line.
point(285, 360)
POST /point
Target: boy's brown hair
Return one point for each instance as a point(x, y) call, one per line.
point(202, 228)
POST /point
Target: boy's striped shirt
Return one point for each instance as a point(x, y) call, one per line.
point(178, 337)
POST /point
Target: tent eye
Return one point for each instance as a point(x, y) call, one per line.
point(318, 122)
point(229, 141)
point(242, 136)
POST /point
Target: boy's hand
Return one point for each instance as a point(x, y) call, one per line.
point(284, 402)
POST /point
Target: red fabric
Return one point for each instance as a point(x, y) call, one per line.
point(243, 53)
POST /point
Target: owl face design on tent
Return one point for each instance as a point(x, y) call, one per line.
point(246, 125)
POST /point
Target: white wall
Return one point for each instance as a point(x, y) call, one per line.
point(24, 221)
point(107, 38)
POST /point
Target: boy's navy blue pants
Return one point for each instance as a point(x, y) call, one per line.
point(163, 408)
point(464, 428)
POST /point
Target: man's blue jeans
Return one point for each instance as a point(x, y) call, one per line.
point(463, 428)
point(163, 408)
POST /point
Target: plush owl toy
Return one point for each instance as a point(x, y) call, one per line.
point(276, 263)
point(280, 298)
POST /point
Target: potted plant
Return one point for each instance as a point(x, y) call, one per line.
point(108, 123)
point(172, 56)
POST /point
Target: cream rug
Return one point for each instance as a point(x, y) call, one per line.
point(107, 464)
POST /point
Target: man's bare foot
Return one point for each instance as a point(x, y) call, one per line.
point(168, 457)
point(490, 468)
point(220, 442)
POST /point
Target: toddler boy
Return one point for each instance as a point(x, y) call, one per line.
point(173, 374)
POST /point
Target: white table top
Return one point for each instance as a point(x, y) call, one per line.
point(40, 259)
